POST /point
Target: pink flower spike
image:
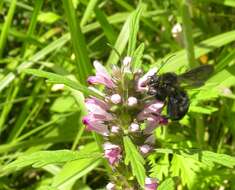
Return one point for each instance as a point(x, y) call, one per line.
point(112, 153)
point(116, 98)
point(92, 124)
point(150, 184)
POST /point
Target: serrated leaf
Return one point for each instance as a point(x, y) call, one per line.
point(161, 168)
point(167, 184)
point(59, 79)
point(209, 157)
point(135, 159)
point(42, 158)
point(74, 170)
point(186, 168)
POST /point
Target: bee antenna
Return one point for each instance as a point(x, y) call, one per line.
point(164, 62)
point(115, 50)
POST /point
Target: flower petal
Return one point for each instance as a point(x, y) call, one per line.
point(95, 125)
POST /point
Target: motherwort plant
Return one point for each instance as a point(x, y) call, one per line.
point(126, 117)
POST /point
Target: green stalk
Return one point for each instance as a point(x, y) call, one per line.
point(6, 26)
point(188, 33)
point(33, 22)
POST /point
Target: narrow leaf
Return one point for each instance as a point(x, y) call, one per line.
point(135, 159)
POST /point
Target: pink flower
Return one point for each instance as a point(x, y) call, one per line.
point(151, 114)
point(142, 82)
point(150, 184)
point(145, 149)
point(152, 108)
point(95, 124)
point(97, 108)
point(112, 153)
point(102, 76)
point(98, 102)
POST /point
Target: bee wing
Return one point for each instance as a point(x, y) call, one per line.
point(197, 76)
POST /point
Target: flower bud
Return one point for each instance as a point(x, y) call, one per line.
point(115, 129)
point(110, 186)
point(116, 98)
point(134, 127)
point(132, 101)
point(176, 30)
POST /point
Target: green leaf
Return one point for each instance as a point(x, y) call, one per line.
point(109, 32)
point(83, 64)
point(63, 104)
point(138, 54)
point(42, 158)
point(200, 49)
point(48, 17)
point(134, 27)
point(88, 12)
point(202, 109)
point(59, 79)
point(209, 158)
point(120, 43)
point(135, 159)
point(167, 184)
point(160, 169)
point(74, 170)
point(230, 3)
point(6, 26)
point(186, 168)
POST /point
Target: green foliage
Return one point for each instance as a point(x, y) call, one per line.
point(48, 17)
point(135, 159)
point(167, 184)
point(43, 142)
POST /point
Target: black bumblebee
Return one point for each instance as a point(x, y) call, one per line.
point(169, 87)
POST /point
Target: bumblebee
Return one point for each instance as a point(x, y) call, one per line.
point(170, 88)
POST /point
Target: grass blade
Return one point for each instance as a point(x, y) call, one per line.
point(6, 26)
point(188, 34)
point(81, 55)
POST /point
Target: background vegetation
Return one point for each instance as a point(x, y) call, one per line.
point(64, 37)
